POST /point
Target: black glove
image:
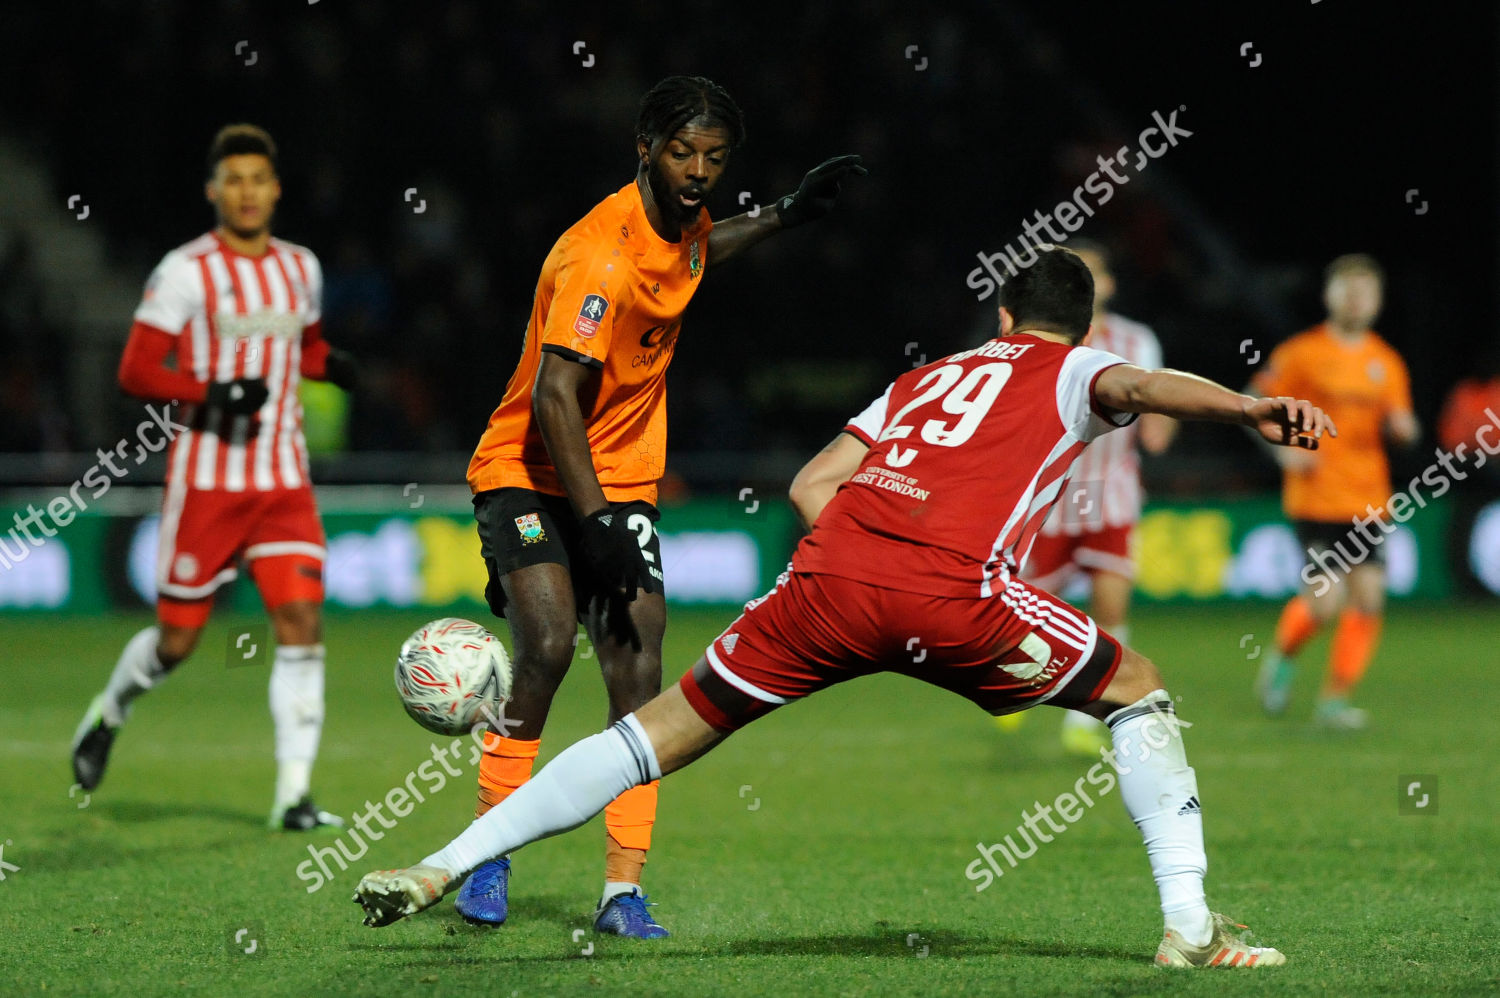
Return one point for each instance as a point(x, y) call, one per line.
point(816, 194)
point(240, 397)
point(611, 548)
point(341, 369)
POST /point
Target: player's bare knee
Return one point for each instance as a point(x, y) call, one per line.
point(1136, 676)
point(543, 654)
point(1325, 607)
point(632, 680)
point(176, 644)
point(297, 623)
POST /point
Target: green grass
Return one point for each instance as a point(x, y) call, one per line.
point(872, 798)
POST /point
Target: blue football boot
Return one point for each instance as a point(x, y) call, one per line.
point(626, 915)
point(484, 899)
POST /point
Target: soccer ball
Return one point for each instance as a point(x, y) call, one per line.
point(449, 672)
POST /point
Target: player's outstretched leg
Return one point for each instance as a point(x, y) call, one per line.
point(1160, 792)
point(139, 669)
point(389, 895)
point(568, 791)
point(1081, 734)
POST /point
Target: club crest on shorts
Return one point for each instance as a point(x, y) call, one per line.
point(589, 315)
point(185, 567)
point(530, 526)
point(1034, 669)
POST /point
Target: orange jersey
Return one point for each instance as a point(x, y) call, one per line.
point(1358, 384)
point(611, 296)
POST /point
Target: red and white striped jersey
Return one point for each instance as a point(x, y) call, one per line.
point(967, 457)
point(1104, 485)
point(236, 316)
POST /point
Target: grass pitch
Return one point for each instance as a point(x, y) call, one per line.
point(822, 851)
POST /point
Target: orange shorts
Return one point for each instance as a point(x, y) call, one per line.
point(205, 534)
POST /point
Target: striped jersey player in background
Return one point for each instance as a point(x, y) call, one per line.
point(228, 326)
point(1090, 529)
point(1368, 390)
point(922, 510)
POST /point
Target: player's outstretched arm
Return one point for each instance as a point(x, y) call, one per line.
point(606, 541)
point(1282, 420)
point(821, 477)
point(734, 235)
point(813, 198)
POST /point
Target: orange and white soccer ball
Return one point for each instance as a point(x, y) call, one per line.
point(450, 672)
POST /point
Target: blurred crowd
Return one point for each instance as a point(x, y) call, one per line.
point(512, 120)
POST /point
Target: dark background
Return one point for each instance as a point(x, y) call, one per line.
point(488, 112)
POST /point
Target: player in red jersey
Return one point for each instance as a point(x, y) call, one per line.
point(1089, 531)
point(228, 326)
point(924, 508)
point(565, 475)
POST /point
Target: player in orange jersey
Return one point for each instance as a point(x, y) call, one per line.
point(565, 476)
point(1332, 497)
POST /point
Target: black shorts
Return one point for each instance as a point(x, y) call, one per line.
point(1342, 539)
point(519, 528)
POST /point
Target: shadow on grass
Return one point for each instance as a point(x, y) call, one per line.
point(74, 846)
point(940, 945)
point(148, 811)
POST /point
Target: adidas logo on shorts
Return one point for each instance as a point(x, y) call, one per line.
point(1191, 807)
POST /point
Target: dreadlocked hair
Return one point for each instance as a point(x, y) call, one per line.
point(677, 100)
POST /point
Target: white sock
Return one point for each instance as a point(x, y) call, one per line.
point(137, 670)
point(1160, 791)
point(613, 887)
point(297, 711)
point(568, 791)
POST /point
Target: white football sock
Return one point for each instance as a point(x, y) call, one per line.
point(1160, 791)
point(137, 670)
point(613, 887)
point(568, 791)
point(297, 711)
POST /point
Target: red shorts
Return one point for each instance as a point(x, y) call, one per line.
point(1056, 558)
point(204, 534)
point(1016, 650)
